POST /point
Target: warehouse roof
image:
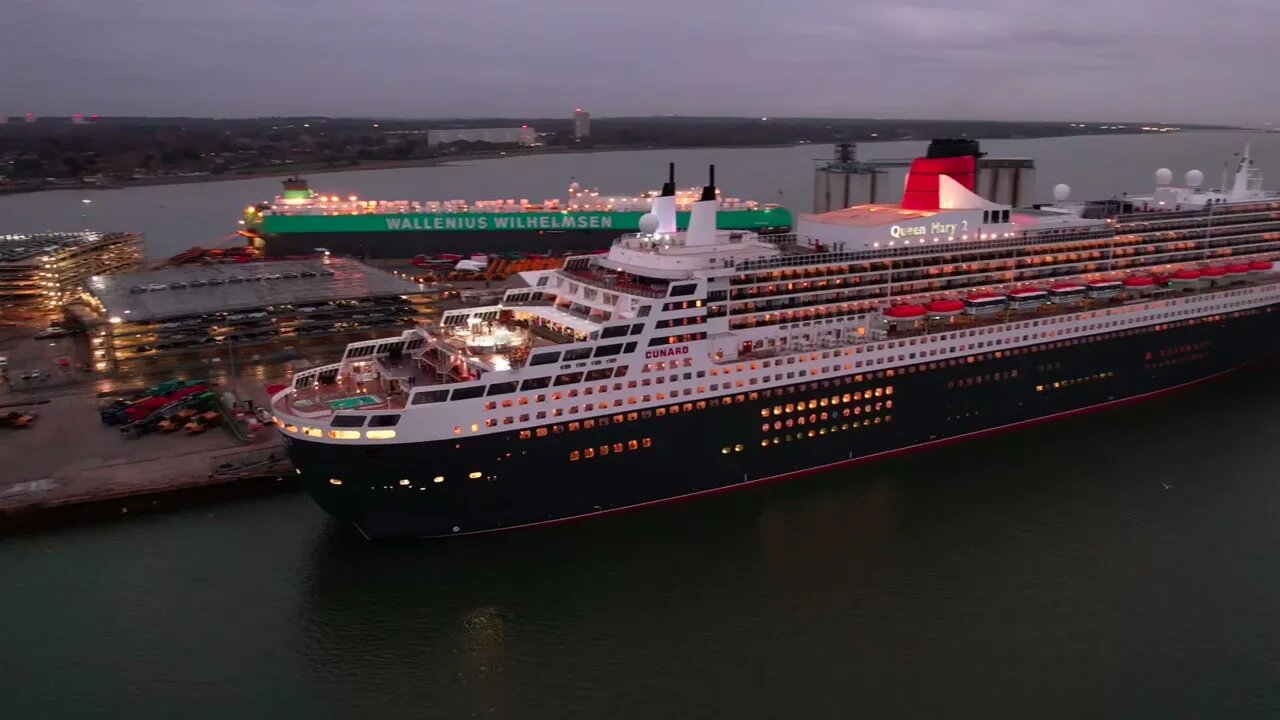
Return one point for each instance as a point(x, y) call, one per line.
point(179, 292)
point(27, 246)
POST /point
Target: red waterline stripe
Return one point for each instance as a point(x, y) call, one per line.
point(858, 460)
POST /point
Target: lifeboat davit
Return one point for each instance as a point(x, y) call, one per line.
point(1260, 266)
point(1240, 269)
point(905, 312)
point(1216, 271)
point(1139, 281)
point(946, 307)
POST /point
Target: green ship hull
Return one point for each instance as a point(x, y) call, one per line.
point(617, 222)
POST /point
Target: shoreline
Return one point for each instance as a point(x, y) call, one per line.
point(372, 166)
point(452, 159)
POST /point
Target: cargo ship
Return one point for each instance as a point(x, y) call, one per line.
point(300, 222)
point(682, 364)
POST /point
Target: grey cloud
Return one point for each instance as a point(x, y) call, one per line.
point(976, 58)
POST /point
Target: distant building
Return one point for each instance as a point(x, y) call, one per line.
point(523, 135)
point(581, 123)
point(46, 269)
point(196, 316)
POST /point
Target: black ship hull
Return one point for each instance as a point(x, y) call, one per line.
point(398, 245)
point(502, 481)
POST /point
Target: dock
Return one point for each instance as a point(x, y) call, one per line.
point(69, 467)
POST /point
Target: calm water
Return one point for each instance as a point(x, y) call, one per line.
point(1117, 565)
point(176, 217)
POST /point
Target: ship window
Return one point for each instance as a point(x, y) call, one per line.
point(503, 388)
point(344, 434)
point(608, 350)
point(475, 475)
point(535, 383)
point(384, 421)
point(628, 348)
point(467, 393)
point(380, 434)
point(617, 447)
point(568, 378)
point(348, 421)
point(682, 290)
point(577, 354)
point(574, 455)
point(637, 328)
point(545, 358)
point(430, 396)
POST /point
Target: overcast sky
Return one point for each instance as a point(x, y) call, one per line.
point(1157, 60)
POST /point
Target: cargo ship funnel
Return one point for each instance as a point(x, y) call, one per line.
point(702, 221)
point(664, 206)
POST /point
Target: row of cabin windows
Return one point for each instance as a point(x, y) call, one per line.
point(358, 421)
point(555, 356)
point(981, 379)
point(953, 255)
point(816, 432)
point(680, 322)
point(1179, 360)
point(1181, 349)
point(682, 305)
point(995, 216)
point(424, 397)
point(922, 367)
point(823, 402)
point(1074, 381)
point(615, 448)
point(617, 331)
point(676, 409)
point(824, 416)
point(856, 410)
point(677, 339)
point(945, 274)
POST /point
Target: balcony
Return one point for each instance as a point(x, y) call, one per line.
point(616, 283)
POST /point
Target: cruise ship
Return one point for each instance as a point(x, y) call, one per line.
point(684, 363)
point(300, 221)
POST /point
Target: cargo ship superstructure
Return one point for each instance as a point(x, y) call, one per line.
point(300, 221)
point(686, 363)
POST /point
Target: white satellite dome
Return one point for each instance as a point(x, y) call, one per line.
point(1061, 192)
point(649, 223)
point(1194, 178)
point(1164, 176)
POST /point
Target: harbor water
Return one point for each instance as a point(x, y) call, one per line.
point(1118, 564)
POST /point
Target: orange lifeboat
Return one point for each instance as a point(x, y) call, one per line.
point(946, 307)
point(905, 312)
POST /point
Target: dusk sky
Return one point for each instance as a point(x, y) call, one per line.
point(1171, 60)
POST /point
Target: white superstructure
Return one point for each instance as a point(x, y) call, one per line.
point(682, 317)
